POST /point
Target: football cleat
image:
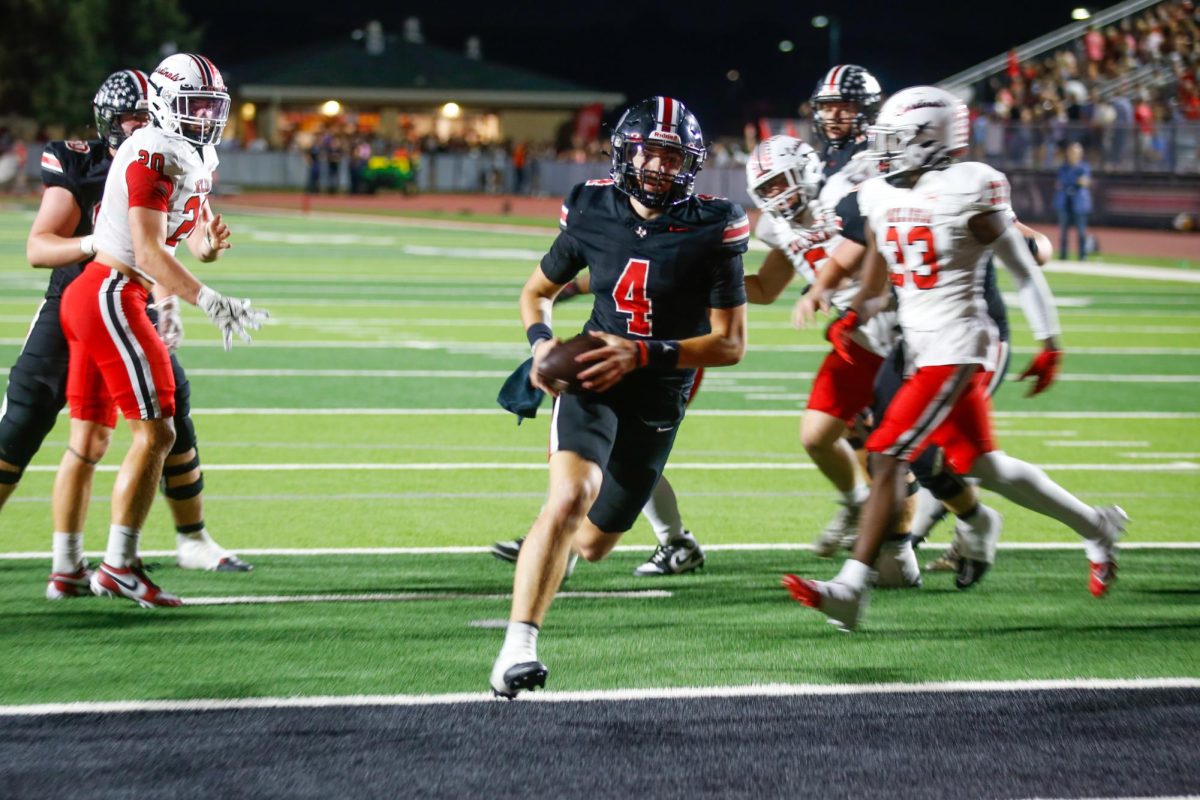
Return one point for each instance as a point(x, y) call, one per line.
point(946, 562)
point(130, 582)
point(509, 550)
point(1101, 577)
point(842, 605)
point(841, 531)
point(204, 553)
point(673, 558)
point(975, 542)
point(510, 679)
point(63, 585)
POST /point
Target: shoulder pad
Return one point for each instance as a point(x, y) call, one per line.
point(981, 187)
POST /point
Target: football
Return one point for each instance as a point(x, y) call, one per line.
point(560, 369)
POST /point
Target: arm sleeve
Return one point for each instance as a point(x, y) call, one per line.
point(852, 222)
point(1032, 290)
point(729, 283)
point(564, 260)
point(147, 188)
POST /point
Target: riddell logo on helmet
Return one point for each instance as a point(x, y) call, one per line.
point(665, 136)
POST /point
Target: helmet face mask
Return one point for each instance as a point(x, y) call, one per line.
point(657, 149)
point(189, 99)
point(845, 103)
point(120, 100)
point(921, 127)
point(783, 176)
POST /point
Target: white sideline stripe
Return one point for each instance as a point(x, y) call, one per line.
point(432, 466)
point(29, 555)
point(376, 219)
point(517, 348)
point(608, 695)
point(1124, 271)
point(700, 412)
point(409, 597)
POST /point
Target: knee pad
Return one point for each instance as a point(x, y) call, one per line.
point(932, 474)
point(185, 429)
point(188, 490)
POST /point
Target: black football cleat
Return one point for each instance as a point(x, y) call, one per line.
point(523, 677)
point(509, 550)
point(969, 572)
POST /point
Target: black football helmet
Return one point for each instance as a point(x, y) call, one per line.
point(847, 83)
point(124, 92)
point(666, 123)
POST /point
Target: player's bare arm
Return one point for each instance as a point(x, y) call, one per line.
point(776, 272)
point(50, 243)
point(537, 309)
point(723, 346)
point(148, 230)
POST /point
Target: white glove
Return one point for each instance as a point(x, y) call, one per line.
point(170, 323)
point(230, 315)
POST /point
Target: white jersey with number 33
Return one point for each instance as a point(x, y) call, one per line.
point(184, 179)
point(936, 264)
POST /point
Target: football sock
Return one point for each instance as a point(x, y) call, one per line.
point(896, 564)
point(856, 496)
point(67, 552)
point(662, 510)
point(122, 546)
point(1028, 486)
point(520, 642)
point(854, 574)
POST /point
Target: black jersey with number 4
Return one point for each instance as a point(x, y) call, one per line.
point(656, 278)
point(80, 168)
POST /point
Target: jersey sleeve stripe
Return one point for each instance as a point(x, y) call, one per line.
point(737, 230)
point(562, 217)
point(50, 162)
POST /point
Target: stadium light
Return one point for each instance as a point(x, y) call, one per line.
point(822, 21)
point(331, 108)
point(451, 111)
point(733, 76)
point(248, 111)
point(1080, 14)
point(786, 46)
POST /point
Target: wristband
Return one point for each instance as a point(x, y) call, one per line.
point(658, 354)
point(537, 333)
point(87, 245)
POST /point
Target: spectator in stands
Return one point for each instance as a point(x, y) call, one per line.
point(1073, 199)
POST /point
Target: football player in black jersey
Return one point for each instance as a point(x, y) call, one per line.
point(74, 173)
point(668, 297)
point(844, 103)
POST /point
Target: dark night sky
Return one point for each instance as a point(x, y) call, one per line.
point(655, 47)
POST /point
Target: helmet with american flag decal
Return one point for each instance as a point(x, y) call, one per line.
point(847, 83)
point(122, 93)
point(658, 132)
point(188, 98)
point(783, 175)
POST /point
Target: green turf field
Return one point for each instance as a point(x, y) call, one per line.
point(364, 416)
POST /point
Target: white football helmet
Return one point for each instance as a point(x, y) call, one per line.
point(783, 175)
point(921, 127)
point(189, 98)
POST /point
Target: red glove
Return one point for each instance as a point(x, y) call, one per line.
point(838, 334)
point(1044, 367)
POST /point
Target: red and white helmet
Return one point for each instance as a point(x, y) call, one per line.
point(189, 98)
point(921, 127)
point(783, 175)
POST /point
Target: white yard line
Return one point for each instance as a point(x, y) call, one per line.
point(609, 695)
point(623, 548)
point(408, 597)
point(506, 466)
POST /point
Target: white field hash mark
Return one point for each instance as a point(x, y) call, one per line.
point(608, 695)
point(407, 597)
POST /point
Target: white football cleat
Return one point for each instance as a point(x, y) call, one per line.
point(510, 676)
point(841, 531)
point(201, 552)
point(975, 542)
point(843, 605)
point(897, 567)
